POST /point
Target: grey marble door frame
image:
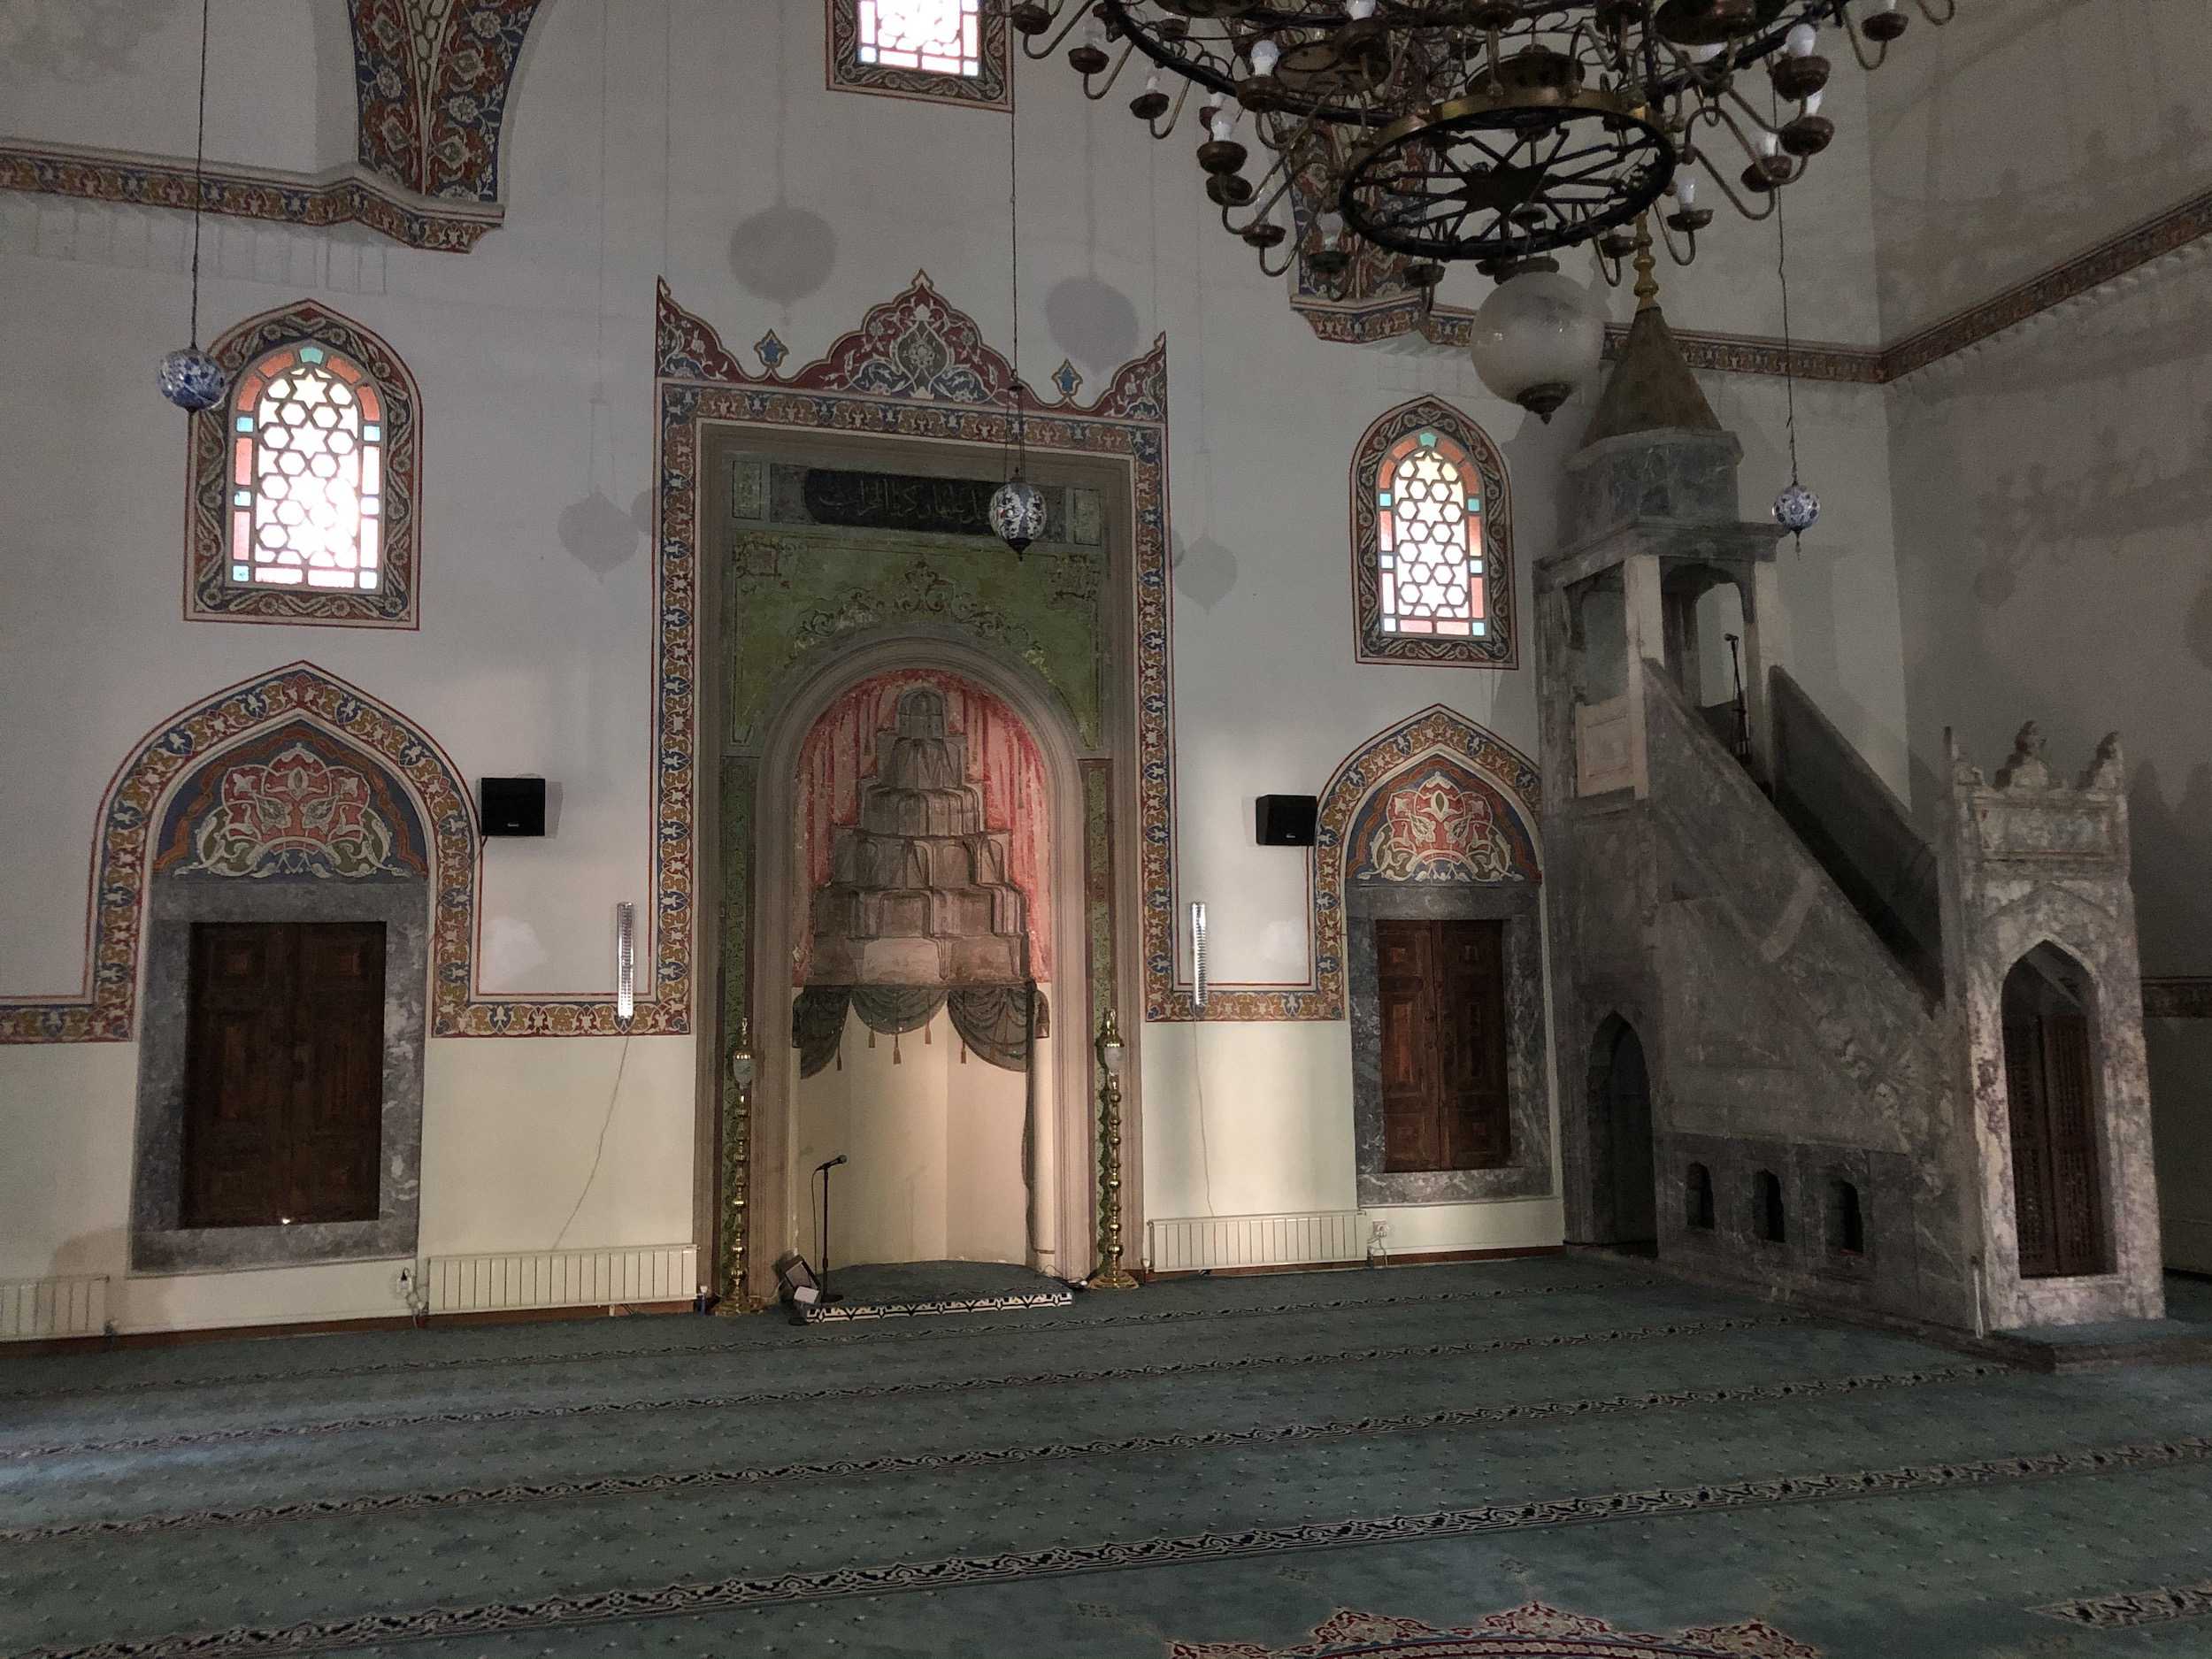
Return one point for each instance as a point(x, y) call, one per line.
point(160, 1244)
point(1519, 904)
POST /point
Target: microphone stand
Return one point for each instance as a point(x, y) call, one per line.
point(822, 1170)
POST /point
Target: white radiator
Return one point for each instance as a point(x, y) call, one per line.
point(561, 1278)
point(1183, 1244)
point(33, 1309)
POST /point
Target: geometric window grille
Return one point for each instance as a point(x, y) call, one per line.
point(949, 52)
point(942, 36)
point(1428, 526)
point(307, 477)
point(306, 483)
point(1432, 543)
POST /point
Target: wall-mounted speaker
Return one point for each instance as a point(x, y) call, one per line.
point(1285, 820)
point(511, 806)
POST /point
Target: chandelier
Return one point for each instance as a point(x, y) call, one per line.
point(1421, 133)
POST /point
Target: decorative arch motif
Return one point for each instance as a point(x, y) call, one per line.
point(1432, 581)
point(372, 450)
point(302, 706)
point(1396, 764)
point(294, 803)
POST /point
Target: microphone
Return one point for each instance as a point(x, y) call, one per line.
point(831, 1164)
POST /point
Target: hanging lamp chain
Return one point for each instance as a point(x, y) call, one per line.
point(199, 172)
point(1013, 291)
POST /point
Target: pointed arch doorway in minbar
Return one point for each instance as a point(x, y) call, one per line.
point(2050, 1086)
point(1625, 1202)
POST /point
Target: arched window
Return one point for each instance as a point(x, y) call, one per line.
point(307, 492)
point(954, 50)
point(1697, 1199)
point(1431, 570)
point(303, 480)
point(1767, 1220)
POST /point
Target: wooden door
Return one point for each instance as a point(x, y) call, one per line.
point(284, 1092)
point(1441, 990)
point(2051, 1097)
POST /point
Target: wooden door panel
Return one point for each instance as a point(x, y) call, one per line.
point(1440, 990)
point(238, 1036)
point(1476, 1114)
point(1401, 955)
point(284, 1074)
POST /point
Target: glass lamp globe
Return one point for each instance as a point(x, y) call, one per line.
point(1018, 513)
point(192, 379)
point(1536, 338)
point(1796, 509)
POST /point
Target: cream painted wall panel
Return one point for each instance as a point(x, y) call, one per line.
point(2024, 133)
point(1524, 1224)
point(124, 74)
point(198, 1302)
point(511, 1126)
point(67, 1112)
point(1246, 1120)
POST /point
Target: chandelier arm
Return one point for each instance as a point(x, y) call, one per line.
point(1929, 8)
point(1113, 74)
point(1720, 116)
point(1858, 46)
point(1751, 110)
point(1174, 115)
point(1736, 201)
point(1683, 256)
point(1290, 258)
point(1038, 53)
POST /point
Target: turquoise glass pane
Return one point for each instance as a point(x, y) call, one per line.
point(310, 354)
point(239, 573)
point(245, 423)
point(371, 431)
point(1428, 440)
point(242, 498)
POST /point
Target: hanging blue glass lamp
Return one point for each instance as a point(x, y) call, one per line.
point(189, 378)
point(1796, 509)
point(1018, 506)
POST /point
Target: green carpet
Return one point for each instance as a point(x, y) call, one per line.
point(1561, 1456)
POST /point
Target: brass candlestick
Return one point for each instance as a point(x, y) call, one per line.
point(1112, 1274)
point(737, 1131)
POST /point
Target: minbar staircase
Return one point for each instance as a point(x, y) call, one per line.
point(1879, 1070)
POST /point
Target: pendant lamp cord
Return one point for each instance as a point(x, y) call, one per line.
point(1013, 289)
point(1789, 348)
point(199, 170)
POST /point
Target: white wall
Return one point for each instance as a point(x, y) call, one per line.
point(698, 142)
point(936, 1150)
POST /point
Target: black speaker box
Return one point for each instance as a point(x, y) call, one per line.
point(511, 806)
point(1285, 820)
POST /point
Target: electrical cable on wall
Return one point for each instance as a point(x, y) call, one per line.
point(622, 1061)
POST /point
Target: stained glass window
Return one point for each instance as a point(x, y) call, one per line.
point(1428, 538)
point(307, 472)
point(941, 36)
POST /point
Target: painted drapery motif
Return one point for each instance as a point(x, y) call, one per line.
point(923, 830)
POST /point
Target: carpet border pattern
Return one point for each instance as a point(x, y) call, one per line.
point(733, 1594)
